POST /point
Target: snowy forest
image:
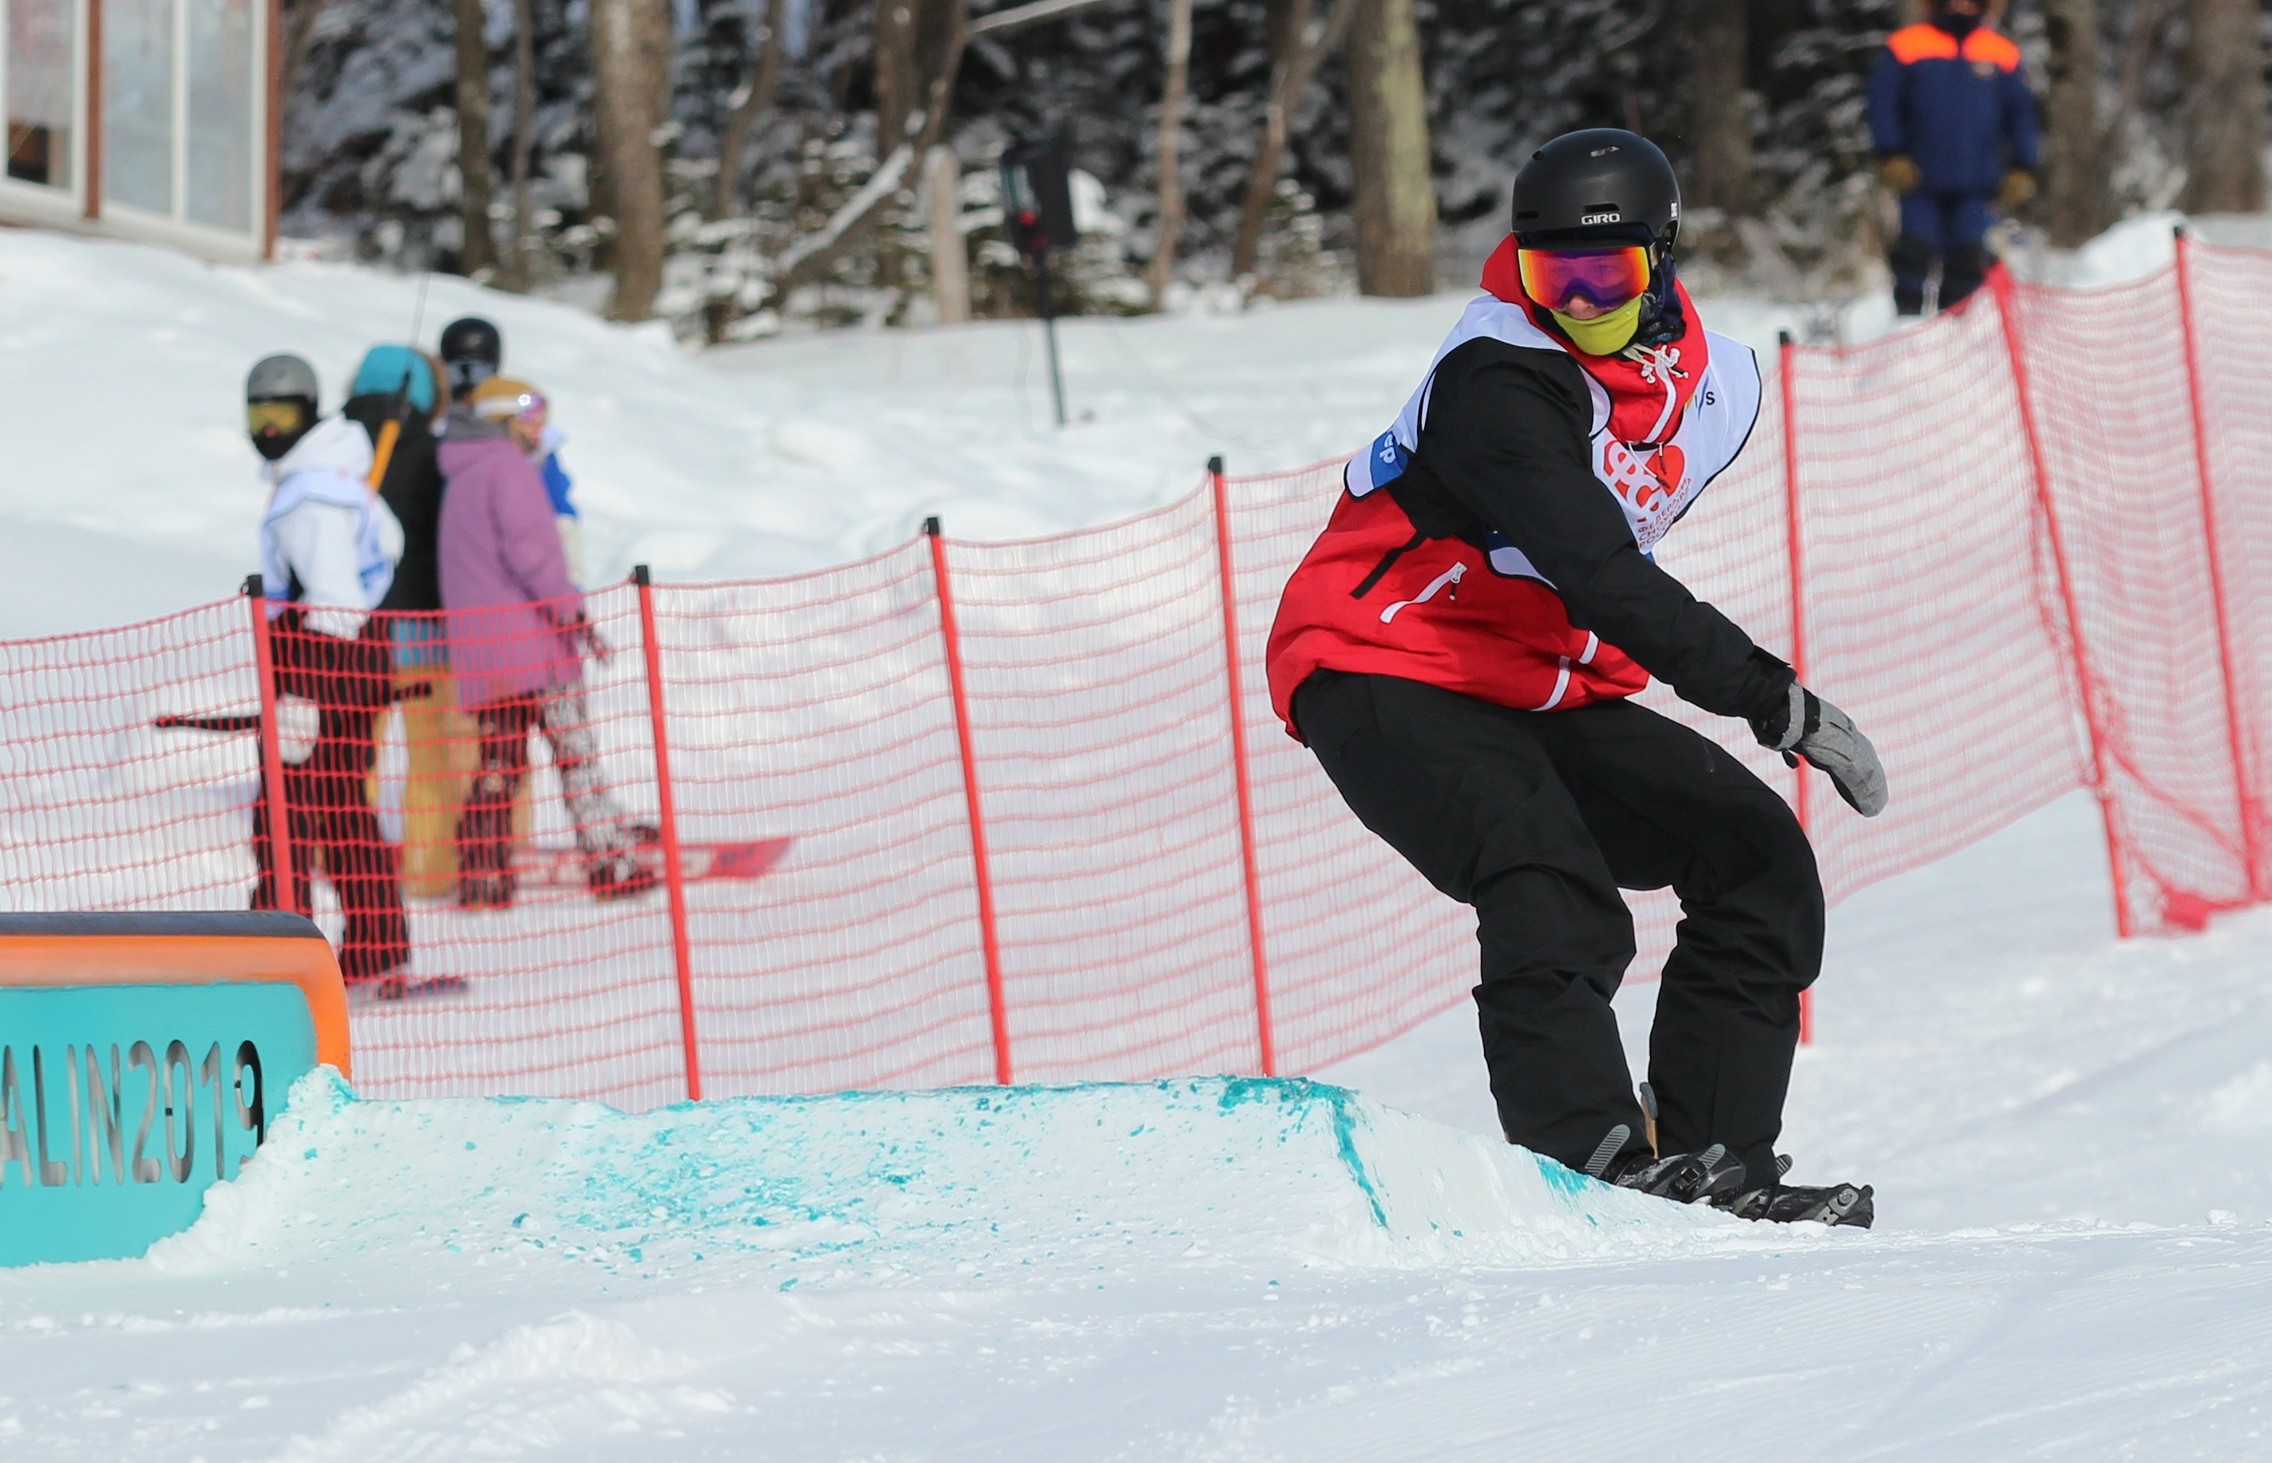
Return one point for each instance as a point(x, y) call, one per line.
point(737, 165)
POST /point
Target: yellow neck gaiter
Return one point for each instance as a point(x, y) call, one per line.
point(1604, 335)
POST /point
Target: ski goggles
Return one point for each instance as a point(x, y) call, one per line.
point(1605, 277)
point(279, 416)
point(528, 406)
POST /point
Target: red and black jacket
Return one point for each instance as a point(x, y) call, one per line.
point(1494, 542)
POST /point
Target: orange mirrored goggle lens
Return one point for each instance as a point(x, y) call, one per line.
point(527, 406)
point(274, 416)
point(1605, 277)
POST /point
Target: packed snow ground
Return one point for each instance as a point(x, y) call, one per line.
point(2071, 1137)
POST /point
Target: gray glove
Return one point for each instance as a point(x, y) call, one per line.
point(1812, 728)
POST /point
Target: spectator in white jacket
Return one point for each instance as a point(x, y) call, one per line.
point(328, 550)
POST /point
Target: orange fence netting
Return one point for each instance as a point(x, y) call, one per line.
point(970, 812)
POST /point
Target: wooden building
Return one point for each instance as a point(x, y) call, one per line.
point(143, 119)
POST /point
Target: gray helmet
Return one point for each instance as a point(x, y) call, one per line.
point(276, 377)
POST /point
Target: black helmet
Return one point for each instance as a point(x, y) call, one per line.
point(1603, 182)
point(472, 351)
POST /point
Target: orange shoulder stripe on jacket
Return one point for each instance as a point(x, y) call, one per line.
point(1922, 43)
point(1998, 50)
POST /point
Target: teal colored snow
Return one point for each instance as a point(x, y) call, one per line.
point(968, 1181)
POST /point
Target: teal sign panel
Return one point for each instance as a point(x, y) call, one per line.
point(119, 1104)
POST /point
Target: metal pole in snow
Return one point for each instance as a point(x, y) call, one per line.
point(674, 859)
point(1265, 1036)
point(1047, 304)
point(989, 945)
point(2244, 790)
point(283, 872)
point(1801, 799)
point(2000, 283)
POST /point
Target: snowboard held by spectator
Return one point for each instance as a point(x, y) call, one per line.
point(1458, 649)
point(518, 636)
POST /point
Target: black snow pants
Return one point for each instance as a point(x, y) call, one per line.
point(1537, 819)
point(331, 817)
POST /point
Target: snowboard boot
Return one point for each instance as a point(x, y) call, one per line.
point(1685, 1178)
point(617, 876)
point(1780, 1203)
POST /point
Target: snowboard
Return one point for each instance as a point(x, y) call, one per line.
point(557, 871)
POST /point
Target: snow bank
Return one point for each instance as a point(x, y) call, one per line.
point(970, 1182)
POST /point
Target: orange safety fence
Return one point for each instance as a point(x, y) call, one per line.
point(1020, 811)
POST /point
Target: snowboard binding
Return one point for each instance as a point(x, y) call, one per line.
point(1709, 1176)
point(1853, 1205)
point(1714, 1177)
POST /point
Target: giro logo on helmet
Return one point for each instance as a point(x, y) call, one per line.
point(1602, 218)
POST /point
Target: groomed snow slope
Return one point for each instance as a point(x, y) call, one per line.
point(2072, 1142)
point(2071, 1138)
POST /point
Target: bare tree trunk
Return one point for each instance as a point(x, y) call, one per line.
point(1299, 44)
point(1388, 144)
point(524, 140)
point(2076, 203)
point(950, 262)
point(896, 79)
point(624, 36)
point(1172, 95)
point(756, 95)
point(1719, 33)
point(851, 223)
point(300, 17)
point(1284, 22)
point(476, 179)
point(2224, 85)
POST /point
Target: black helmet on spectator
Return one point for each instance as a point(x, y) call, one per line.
point(472, 352)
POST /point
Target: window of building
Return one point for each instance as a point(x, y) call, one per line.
point(39, 86)
point(183, 108)
point(173, 143)
point(138, 103)
point(221, 97)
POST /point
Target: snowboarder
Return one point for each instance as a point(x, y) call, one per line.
point(1457, 650)
point(473, 351)
point(328, 550)
point(518, 635)
point(1954, 127)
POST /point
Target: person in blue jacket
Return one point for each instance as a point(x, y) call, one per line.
point(1953, 123)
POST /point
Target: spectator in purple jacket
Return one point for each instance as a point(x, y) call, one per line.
point(518, 637)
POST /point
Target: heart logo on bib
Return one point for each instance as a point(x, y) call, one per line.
point(1669, 465)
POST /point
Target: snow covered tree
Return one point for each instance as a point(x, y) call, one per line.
point(2224, 71)
point(2076, 200)
point(1718, 32)
point(476, 181)
point(630, 60)
point(1394, 174)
